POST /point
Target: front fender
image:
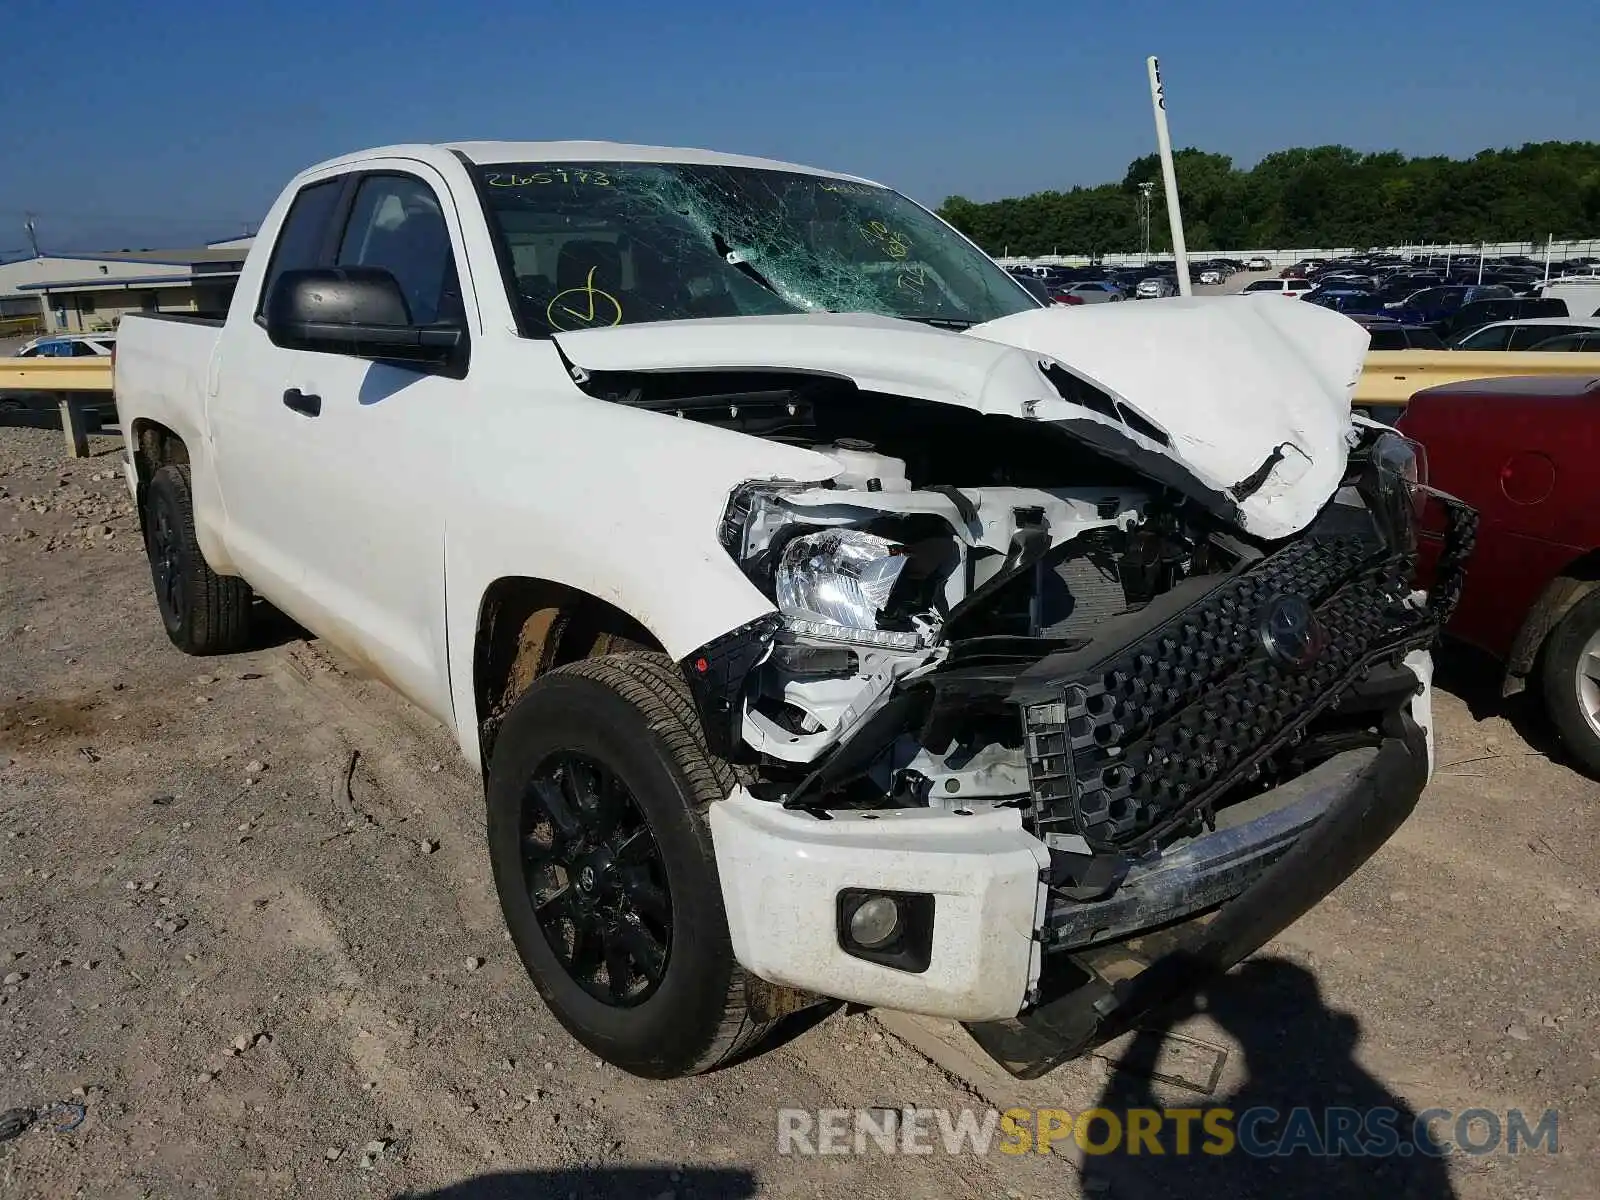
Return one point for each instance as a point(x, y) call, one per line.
point(618, 503)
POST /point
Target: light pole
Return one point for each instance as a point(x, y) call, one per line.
point(1144, 215)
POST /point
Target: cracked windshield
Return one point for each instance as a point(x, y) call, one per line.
point(598, 244)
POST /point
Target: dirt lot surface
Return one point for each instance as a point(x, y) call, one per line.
point(247, 922)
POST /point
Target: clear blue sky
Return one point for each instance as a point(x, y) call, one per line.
point(152, 124)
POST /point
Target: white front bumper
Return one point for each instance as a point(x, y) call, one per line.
point(782, 873)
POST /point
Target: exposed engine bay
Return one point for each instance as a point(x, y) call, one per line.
point(979, 611)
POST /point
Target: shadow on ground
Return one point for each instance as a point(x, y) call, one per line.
point(1298, 1053)
point(1476, 677)
point(634, 1183)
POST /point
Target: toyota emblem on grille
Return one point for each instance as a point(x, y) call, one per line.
point(1291, 632)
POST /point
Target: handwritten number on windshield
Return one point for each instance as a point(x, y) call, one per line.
point(510, 179)
point(913, 280)
point(893, 243)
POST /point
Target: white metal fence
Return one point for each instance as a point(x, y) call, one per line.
point(1283, 258)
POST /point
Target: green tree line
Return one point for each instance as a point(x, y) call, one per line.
point(1322, 196)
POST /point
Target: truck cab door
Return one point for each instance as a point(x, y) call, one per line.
point(335, 467)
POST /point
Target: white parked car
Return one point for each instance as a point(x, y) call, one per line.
point(68, 345)
point(826, 618)
point(1156, 287)
point(1259, 263)
point(1295, 288)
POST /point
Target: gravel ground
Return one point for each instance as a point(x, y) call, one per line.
point(246, 920)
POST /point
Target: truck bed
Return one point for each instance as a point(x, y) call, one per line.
point(162, 363)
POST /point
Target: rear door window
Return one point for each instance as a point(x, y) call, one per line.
point(1530, 336)
point(299, 243)
point(1570, 341)
point(1493, 338)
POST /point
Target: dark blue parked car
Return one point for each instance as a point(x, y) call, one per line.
point(1353, 301)
point(1435, 305)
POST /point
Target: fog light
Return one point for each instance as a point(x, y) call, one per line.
point(893, 929)
point(875, 922)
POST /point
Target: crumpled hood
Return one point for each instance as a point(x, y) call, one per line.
point(1243, 402)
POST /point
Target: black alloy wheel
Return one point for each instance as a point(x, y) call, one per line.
point(166, 567)
point(596, 880)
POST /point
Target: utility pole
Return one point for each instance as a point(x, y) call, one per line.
point(33, 237)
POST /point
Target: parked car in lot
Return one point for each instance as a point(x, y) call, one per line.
point(1478, 313)
point(1531, 334)
point(1344, 300)
point(1259, 263)
point(1436, 305)
point(1522, 452)
point(1293, 286)
point(1388, 334)
point(1036, 287)
point(97, 407)
point(825, 617)
point(1155, 287)
point(1093, 291)
point(68, 345)
point(1581, 343)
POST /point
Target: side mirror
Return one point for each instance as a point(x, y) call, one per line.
point(353, 310)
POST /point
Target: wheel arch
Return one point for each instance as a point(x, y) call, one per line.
point(1575, 581)
point(154, 446)
point(527, 626)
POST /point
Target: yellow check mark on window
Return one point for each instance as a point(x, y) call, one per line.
point(588, 289)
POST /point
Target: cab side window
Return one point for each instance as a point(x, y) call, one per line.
point(300, 239)
point(1488, 339)
point(396, 223)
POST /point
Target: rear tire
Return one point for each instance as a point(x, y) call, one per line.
point(1570, 677)
point(203, 612)
point(598, 790)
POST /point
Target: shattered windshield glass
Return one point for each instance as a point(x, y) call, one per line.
point(587, 245)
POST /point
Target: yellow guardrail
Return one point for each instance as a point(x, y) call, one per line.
point(56, 374)
point(67, 378)
point(1392, 377)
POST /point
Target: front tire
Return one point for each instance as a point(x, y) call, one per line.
point(1571, 682)
point(203, 612)
point(598, 791)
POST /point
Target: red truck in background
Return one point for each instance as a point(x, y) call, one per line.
point(1524, 452)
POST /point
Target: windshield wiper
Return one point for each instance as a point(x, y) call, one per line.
point(957, 323)
point(737, 261)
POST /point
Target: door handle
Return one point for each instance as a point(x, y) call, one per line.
point(303, 402)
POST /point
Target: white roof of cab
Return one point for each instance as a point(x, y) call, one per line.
point(490, 153)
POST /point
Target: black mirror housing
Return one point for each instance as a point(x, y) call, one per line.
point(353, 310)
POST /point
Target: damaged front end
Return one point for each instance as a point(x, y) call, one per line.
point(1168, 711)
point(1032, 756)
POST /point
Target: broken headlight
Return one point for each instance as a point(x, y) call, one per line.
point(828, 578)
point(835, 583)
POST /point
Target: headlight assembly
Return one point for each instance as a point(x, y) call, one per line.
point(840, 578)
point(829, 579)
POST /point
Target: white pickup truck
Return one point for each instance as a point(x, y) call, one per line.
point(827, 619)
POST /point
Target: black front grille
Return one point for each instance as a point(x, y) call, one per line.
point(1163, 725)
